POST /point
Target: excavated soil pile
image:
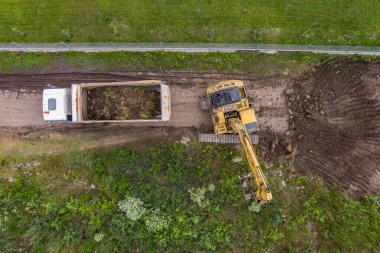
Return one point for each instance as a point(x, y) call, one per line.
point(335, 121)
point(122, 103)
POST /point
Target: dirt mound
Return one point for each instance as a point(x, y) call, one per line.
point(122, 103)
point(335, 121)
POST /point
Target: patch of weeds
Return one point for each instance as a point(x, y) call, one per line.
point(198, 196)
point(119, 28)
point(153, 198)
point(156, 221)
point(98, 237)
point(132, 207)
point(18, 32)
point(242, 62)
point(67, 34)
point(97, 164)
point(255, 207)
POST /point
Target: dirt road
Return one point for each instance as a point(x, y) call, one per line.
point(331, 114)
point(23, 107)
point(20, 108)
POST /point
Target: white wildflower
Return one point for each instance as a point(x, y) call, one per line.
point(211, 187)
point(237, 160)
point(156, 221)
point(255, 207)
point(98, 237)
point(185, 140)
point(198, 196)
point(133, 207)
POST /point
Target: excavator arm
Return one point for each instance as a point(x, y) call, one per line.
point(263, 193)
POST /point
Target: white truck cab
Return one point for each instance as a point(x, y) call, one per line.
point(57, 104)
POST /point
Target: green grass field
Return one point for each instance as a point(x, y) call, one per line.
point(343, 22)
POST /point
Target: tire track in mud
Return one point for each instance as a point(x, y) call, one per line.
point(60, 79)
point(336, 111)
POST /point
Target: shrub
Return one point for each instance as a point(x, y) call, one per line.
point(98, 237)
point(255, 207)
point(155, 221)
point(198, 196)
point(97, 164)
point(132, 207)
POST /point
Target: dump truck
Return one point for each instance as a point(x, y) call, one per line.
point(234, 120)
point(90, 102)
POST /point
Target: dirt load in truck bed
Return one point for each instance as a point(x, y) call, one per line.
point(122, 103)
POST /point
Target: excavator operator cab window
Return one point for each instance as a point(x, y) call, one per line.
point(225, 97)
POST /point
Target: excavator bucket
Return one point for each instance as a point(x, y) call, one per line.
point(225, 138)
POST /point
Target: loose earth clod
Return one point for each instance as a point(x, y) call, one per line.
point(122, 103)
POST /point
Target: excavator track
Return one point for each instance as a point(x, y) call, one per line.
point(225, 138)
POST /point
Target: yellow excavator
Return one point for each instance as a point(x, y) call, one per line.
point(234, 119)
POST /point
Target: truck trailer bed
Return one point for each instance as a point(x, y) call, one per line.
point(85, 107)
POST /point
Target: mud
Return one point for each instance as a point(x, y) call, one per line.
point(123, 103)
point(335, 123)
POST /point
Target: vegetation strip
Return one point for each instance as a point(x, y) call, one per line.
point(322, 22)
point(172, 197)
point(255, 63)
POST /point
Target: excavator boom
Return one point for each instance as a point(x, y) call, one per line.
point(263, 193)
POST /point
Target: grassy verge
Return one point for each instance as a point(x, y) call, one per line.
point(343, 22)
point(243, 62)
point(255, 63)
point(170, 197)
point(17, 149)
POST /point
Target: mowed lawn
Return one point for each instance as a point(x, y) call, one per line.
point(330, 22)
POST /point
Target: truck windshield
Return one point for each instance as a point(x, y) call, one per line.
point(52, 104)
point(225, 97)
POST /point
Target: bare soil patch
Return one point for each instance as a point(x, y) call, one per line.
point(123, 103)
point(335, 121)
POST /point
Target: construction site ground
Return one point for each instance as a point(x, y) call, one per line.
point(328, 117)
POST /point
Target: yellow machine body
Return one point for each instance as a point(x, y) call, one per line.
point(237, 104)
point(233, 113)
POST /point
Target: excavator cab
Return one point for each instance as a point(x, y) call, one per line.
point(227, 100)
point(224, 97)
